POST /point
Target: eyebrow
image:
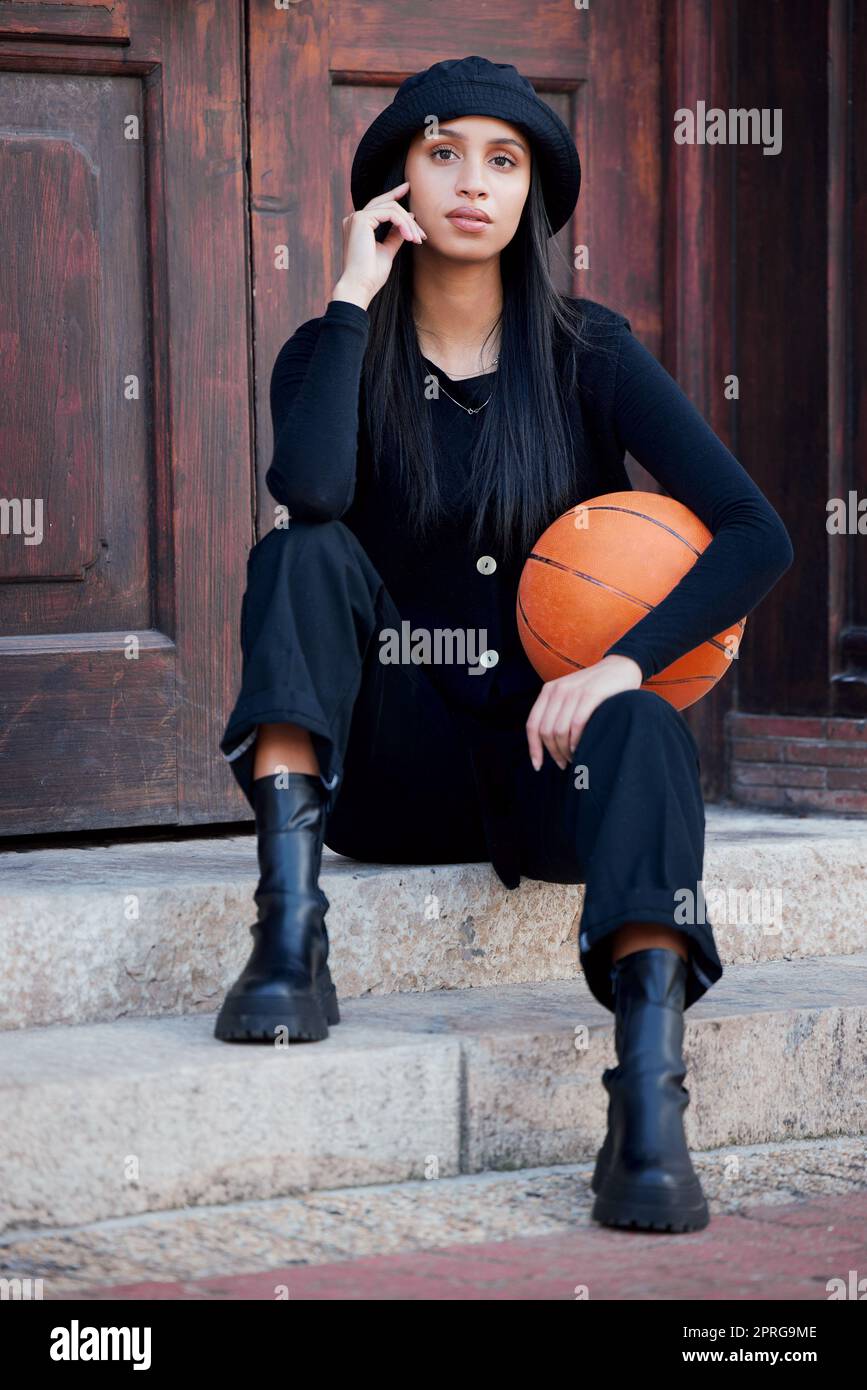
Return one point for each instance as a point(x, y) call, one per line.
point(458, 135)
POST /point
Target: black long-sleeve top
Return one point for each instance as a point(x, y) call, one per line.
point(321, 471)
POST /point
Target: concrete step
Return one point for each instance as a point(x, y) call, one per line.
point(247, 1249)
point(113, 1119)
point(161, 926)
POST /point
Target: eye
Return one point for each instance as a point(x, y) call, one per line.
point(449, 149)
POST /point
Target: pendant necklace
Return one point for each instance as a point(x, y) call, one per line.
point(470, 409)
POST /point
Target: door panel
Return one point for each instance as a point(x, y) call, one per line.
point(125, 465)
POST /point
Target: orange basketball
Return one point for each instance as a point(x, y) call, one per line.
point(597, 570)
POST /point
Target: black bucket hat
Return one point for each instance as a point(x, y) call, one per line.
point(471, 87)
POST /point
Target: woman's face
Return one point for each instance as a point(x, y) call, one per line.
point(472, 161)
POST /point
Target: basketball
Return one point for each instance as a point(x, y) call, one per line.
point(596, 571)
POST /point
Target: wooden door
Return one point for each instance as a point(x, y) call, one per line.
point(125, 440)
point(320, 73)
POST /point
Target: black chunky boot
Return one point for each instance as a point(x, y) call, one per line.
point(286, 984)
point(644, 1175)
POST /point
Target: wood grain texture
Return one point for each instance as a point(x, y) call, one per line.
point(847, 350)
point(781, 316)
point(125, 351)
point(93, 21)
point(697, 253)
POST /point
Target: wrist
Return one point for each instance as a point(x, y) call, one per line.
point(629, 665)
point(352, 294)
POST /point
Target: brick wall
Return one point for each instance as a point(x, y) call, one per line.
point(798, 763)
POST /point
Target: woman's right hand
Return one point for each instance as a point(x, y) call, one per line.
point(366, 261)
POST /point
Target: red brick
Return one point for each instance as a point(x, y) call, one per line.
point(757, 750)
point(848, 728)
point(773, 1251)
point(851, 802)
point(776, 775)
point(828, 754)
point(760, 796)
point(769, 725)
point(847, 777)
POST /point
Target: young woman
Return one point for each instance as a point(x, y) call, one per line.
point(443, 411)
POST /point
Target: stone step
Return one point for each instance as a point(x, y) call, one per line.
point(249, 1249)
point(158, 927)
point(112, 1119)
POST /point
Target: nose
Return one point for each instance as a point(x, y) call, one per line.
point(471, 183)
point(472, 193)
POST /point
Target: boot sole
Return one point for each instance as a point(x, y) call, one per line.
point(328, 998)
point(598, 1173)
point(666, 1211)
point(304, 1018)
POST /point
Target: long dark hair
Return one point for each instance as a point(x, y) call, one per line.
point(524, 467)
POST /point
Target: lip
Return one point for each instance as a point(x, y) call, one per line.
point(469, 219)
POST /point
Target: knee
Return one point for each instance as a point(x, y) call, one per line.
point(642, 706)
point(635, 704)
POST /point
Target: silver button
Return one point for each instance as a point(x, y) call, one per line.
point(489, 658)
point(486, 564)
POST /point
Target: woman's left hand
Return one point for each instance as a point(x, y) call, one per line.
point(564, 705)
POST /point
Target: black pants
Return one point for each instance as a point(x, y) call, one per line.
point(398, 772)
